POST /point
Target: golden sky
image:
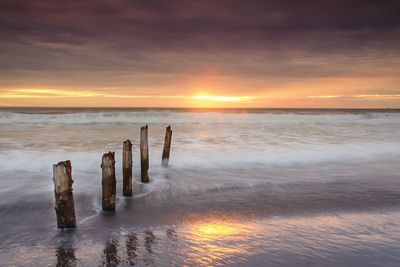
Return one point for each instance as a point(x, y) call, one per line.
point(339, 92)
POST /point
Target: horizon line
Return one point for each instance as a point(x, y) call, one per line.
point(244, 108)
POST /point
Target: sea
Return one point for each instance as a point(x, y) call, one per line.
point(244, 187)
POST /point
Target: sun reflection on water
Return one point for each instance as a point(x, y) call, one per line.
point(217, 229)
point(216, 240)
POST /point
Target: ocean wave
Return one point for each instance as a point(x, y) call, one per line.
point(192, 157)
point(173, 117)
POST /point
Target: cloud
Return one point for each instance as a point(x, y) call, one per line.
point(126, 33)
point(55, 93)
point(379, 96)
point(324, 96)
point(46, 93)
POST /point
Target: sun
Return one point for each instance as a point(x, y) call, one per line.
point(219, 98)
point(207, 100)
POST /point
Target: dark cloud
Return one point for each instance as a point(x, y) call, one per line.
point(249, 38)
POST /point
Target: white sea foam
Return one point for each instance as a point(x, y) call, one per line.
point(33, 142)
point(173, 117)
point(192, 157)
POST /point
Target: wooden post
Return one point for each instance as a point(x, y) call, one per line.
point(108, 181)
point(65, 208)
point(144, 154)
point(127, 169)
point(167, 147)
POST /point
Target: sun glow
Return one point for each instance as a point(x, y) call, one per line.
point(223, 98)
point(219, 98)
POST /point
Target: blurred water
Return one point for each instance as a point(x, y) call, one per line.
point(244, 187)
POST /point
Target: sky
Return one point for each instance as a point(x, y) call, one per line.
point(209, 53)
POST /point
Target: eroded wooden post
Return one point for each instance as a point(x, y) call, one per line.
point(144, 154)
point(167, 147)
point(108, 181)
point(65, 207)
point(127, 169)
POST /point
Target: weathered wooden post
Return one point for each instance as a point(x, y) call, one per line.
point(108, 181)
point(167, 147)
point(127, 168)
point(65, 208)
point(144, 154)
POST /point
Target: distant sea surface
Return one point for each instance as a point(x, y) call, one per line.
point(245, 187)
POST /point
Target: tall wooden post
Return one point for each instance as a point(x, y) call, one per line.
point(108, 181)
point(65, 207)
point(127, 168)
point(167, 147)
point(144, 154)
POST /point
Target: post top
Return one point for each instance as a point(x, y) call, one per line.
point(62, 176)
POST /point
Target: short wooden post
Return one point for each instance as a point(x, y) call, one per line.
point(127, 169)
point(108, 181)
point(65, 207)
point(144, 154)
point(167, 147)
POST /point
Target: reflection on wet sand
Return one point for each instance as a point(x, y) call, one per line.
point(149, 242)
point(212, 241)
point(110, 254)
point(132, 248)
point(171, 234)
point(65, 254)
